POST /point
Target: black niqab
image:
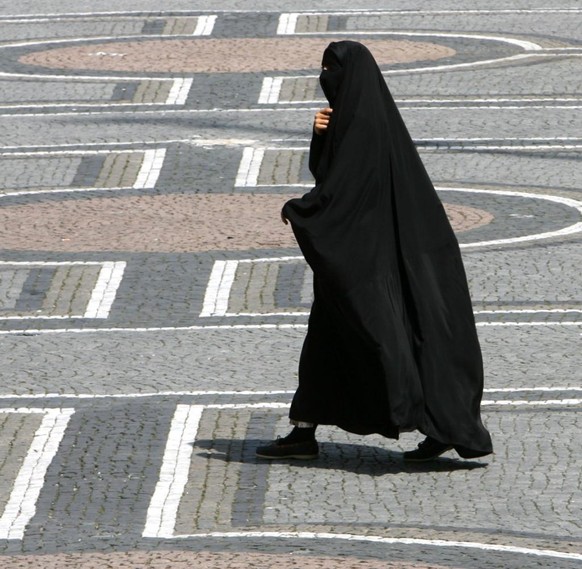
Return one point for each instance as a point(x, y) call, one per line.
point(391, 343)
point(331, 76)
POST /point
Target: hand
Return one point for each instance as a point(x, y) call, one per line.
point(321, 120)
point(283, 218)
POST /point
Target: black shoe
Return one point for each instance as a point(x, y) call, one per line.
point(428, 449)
point(304, 450)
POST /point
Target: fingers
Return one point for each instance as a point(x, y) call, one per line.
point(284, 219)
point(321, 121)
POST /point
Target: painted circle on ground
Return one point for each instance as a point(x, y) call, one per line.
point(571, 229)
point(221, 55)
point(174, 223)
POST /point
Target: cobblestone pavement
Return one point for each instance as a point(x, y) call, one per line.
point(152, 305)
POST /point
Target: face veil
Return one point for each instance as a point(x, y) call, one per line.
point(331, 76)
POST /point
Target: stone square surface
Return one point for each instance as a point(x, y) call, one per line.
point(153, 306)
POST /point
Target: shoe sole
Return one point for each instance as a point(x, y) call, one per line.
point(426, 459)
point(297, 456)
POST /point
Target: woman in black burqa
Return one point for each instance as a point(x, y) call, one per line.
point(391, 343)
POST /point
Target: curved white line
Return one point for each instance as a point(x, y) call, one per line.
point(88, 40)
point(91, 39)
point(526, 45)
point(390, 541)
point(570, 230)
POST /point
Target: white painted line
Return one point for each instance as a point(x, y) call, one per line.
point(570, 230)
point(468, 65)
point(487, 100)
point(442, 105)
point(531, 49)
point(359, 12)
point(347, 12)
point(272, 259)
point(477, 312)
point(488, 11)
point(59, 191)
point(105, 104)
point(103, 293)
point(31, 43)
point(434, 103)
point(43, 331)
point(105, 290)
point(244, 167)
point(282, 405)
point(532, 147)
point(70, 18)
point(523, 402)
point(287, 24)
point(77, 78)
point(249, 162)
point(270, 90)
point(204, 26)
point(250, 165)
point(248, 406)
point(126, 13)
point(486, 403)
point(162, 512)
point(67, 317)
point(524, 44)
point(438, 68)
point(218, 110)
point(526, 324)
point(528, 389)
point(126, 146)
point(307, 285)
point(51, 263)
point(258, 314)
point(387, 541)
point(151, 167)
point(527, 140)
point(229, 327)
point(21, 505)
point(147, 177)
point(163, 508)
point(30, 410)
point(527, 311)
point(121, 146)
point(308, 185)
point(80, 396)
point(179, 91)
point(218, 288)
point(35, 153)
point(161, 394)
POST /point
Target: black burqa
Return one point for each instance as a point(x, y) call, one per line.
point(391, 343)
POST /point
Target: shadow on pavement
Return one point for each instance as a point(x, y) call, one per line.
point(358, 459)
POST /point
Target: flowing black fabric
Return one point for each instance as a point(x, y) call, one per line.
point(391, 343)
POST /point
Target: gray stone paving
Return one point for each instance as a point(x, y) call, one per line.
point(224, 360)
point(506, 127)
